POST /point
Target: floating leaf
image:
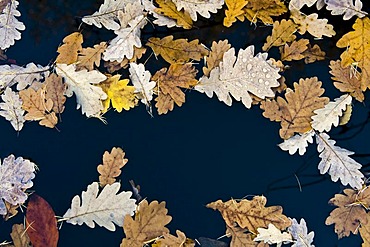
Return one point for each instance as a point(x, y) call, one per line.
point(263, 10)
point(202, 8)
point(234, 10)
point(297, 142)
point(170, 240)
point(282, 32)
point(88, 57)
point(300, 234)
point(311, 24)
point(294, 51)
point(346, 7)
point(111, 167)
point(9, 25)
point(313, 53)
point(68, 52)
point(273, 235)
point(19, 236)
point(11, 109)
point(168, 9)
point(215, 55)
point(55, 90)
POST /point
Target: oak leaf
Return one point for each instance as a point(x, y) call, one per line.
point(311, 24)
point(294, 51)
point(215, 55)
point(148, 224)
point(12, 210)
point(201, 7)
point(55, 89)
point(10, 25)
point(344, 119)
point(111, 167)
point(298, 4)
point(336, 162)
point(297, 142)
point(168, 8)
point(350, 211)
point(177, 51)
point(273, 235)
point(11, 108)
point(19, 236)
point(313, 53)
point(118, 93)
point(346, 7)
point(263, 10)
point(251, 214)
point(38, 107)
point(300, 234)
point(113, 66)
point(88, 57)
point(365, 232)
point(170, 240)
point(295, 111)
point(3, 4)
point(169, 83)
point(282, 32)
point(234, 9)
point(105, 209)
point(68, 52)
point(241, 237)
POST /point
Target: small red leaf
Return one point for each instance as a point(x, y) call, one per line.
point(41, 223)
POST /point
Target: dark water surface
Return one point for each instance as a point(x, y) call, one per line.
point(196, 154)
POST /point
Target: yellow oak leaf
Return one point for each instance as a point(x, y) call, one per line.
point(215, 55)
point(68, 52)
point(169, 83)
point(38, 107)
point(251, 214)
point(119, 93)
point(90, 56)
point(111, 167)
point(263, 10)
point(313, 53)
point(311, 24)
point(294, 51)
point(55, 90)
point(114, 66)
point(177, 51)
point(357, 44)
point(148, 224)
point(350, 211)
point(282, 32)
point(295, 111)
point(168, 8)
point(346, 80)
point(234, 9)
point(171, 240)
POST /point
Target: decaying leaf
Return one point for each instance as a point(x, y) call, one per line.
point(215, 55)
point(251, 214)
point(68, 52)
point(169, 83)
point(295, 111)
point(350, 211)
point(177, 51)
point(300, 234)
point(282, 32)
point(311, 24)
point(105, 209)
point(87, 57)
point(234, 9)
point(41, 223)
point(148, 224)
point(313, 53)
point(111, 167)
point(170, 240)
point(273, 235)
point(336, 162)
point(55, 89)
point(297, 142)
point(168, 8)
point(11, 109)
point(9, 25)
point(19, 236)
point(294, 51)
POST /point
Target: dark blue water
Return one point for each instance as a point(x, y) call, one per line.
point(199, 153)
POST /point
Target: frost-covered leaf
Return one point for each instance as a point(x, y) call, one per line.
point(297, 142)
point(201, 7)
point(330, 114)
point(346, 7)
point(11, 109)
point(80, 82)
point(336, 162)
point(140, 78)
point(300, 234)
point(24, 76)
point(123, 45)
point(239, 76)
point(104, 209)
point(272, 235)
point(9, 25)
point(15, 177)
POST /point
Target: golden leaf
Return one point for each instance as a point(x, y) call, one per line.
point(169, 83)
point(168, 8)
point(119, 93)
point(170, 240)
point(350, 211)
point(234, 9)
point(19, 236)
point(114, 66)
point(90, 56)
point(177, 51)
point(263, 10)
point(251, 214)
point(357, 44)
point(241, 238)
point(68, 52)
point(149, 224)
point(55, 89)
point(215, 55)
point(344, 119)
point(38, 108)
point(296, 110)
point(346, 80)
point(111, 167)
point(282, 32)
point(294, 51)
point(313, 53)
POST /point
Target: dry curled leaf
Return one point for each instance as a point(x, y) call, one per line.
point(215, 55)
point(68, 52)
point(87, 57)
point(282, 32)
point(294, 51)
point(111, 167)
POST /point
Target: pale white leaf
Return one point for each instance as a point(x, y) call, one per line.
point(24, 76)
point(310, 23)
point(239, 76)
point(80, 82)
point(320, 4)
point(346, 7)
point(104, 209)
point(16, 175)
point(297, 142)
point(160, 20)
point(123, 45)
point(336, 162)
point(202, 7)
point(131, 11)
point(298, 4)
point(300, 234)
point(272, 235)
point(330, 114)
point(11, 108)
point(143, 85)
point(9, 25)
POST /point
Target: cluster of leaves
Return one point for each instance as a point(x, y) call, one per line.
point(38, 93)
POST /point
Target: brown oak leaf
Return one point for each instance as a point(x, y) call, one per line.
point(282, 32)
point(241, 237)
point(171, 240)
point(90, 56)
point(294, 51)
point(114, 66)
point(215, 55)
point(365, 232)
point(313, 53)
point(68, 52)
point(111, 167)
point(11, 210)
point(55, 89)
point(19, 236)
